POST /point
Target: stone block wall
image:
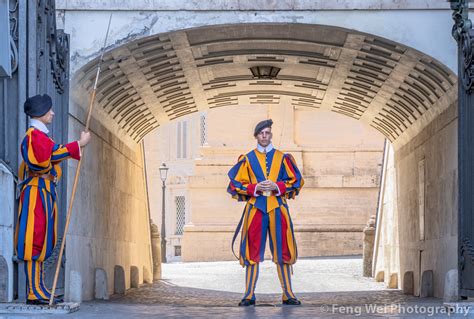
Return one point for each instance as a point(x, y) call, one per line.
point(420, 209)
point(110, 223)
point(339, 158)
point(216, 242)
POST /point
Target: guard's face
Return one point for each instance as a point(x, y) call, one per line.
point(48, 117)
point(264, 138)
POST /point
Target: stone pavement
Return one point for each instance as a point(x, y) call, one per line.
point(309, 275)
point(327, 287)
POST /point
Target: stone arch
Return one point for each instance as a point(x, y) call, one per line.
point(150, 81)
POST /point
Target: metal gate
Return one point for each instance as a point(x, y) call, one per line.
point(464, 35)
point(39, 64)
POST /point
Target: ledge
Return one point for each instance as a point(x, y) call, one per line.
point(298, 228)
point(249, 5)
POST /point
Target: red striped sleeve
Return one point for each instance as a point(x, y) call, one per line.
point(74, 150)
point(281, 188)
point(42, 145)
point(251, 189)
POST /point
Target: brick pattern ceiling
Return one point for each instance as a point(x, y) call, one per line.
point(153, 80)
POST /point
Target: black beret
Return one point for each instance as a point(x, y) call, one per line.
point(38, 105)
point(261, 125)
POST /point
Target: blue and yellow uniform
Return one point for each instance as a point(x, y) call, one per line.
point(36, 230)
point(266, 214)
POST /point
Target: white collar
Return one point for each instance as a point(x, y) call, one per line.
point(39, 125)
point(267, 149)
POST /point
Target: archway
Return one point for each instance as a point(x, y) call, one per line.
point(402, 93)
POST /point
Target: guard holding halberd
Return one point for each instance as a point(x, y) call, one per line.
point(36, 231)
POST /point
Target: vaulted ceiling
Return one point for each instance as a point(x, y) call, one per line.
point(151, 81)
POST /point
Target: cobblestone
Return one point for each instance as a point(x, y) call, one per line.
point(198, 290)
point(328, 287)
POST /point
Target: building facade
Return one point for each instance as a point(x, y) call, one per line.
point(340, 160)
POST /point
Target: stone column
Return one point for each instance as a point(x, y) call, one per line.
point(156, 251)
point(368, 248)
point(7, 202)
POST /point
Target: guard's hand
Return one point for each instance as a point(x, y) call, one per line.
point(272, 186)
point(85, 138)
point(262, 186)
point(267, 185)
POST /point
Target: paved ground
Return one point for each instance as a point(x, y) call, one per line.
point(309, 275)
point(328, 287)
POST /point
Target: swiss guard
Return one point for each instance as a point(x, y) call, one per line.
point(36, 230)
point(266, 178)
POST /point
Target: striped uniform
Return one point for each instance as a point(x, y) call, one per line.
point(36, 230)
point(266, 215)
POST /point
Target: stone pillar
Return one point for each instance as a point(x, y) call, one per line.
point(147, 276)
point(380, 276)
point(393, 281)
point(7, 213)
point(156, 251)
point(427, 289)
point(451, 286)
point(134, 277)
point(75, 286)
point(119, 280)
point(368, 248)
point(409, 283)
point(101, 285)
point(4, 275)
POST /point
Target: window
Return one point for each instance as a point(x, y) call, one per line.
point(182, 138)
point(203, 130)
point(180, 214)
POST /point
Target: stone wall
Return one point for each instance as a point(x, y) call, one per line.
point(339, 157)
point(131, 20)
point(215, 241)
point(426, 236)
point(327, 221)
point(110, 222)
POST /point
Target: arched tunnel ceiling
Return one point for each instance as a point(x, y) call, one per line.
point(150, 81)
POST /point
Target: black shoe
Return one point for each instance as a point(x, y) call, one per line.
point(43, 301)
point(37, 302)
point(246, 303)
point(292, 302)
